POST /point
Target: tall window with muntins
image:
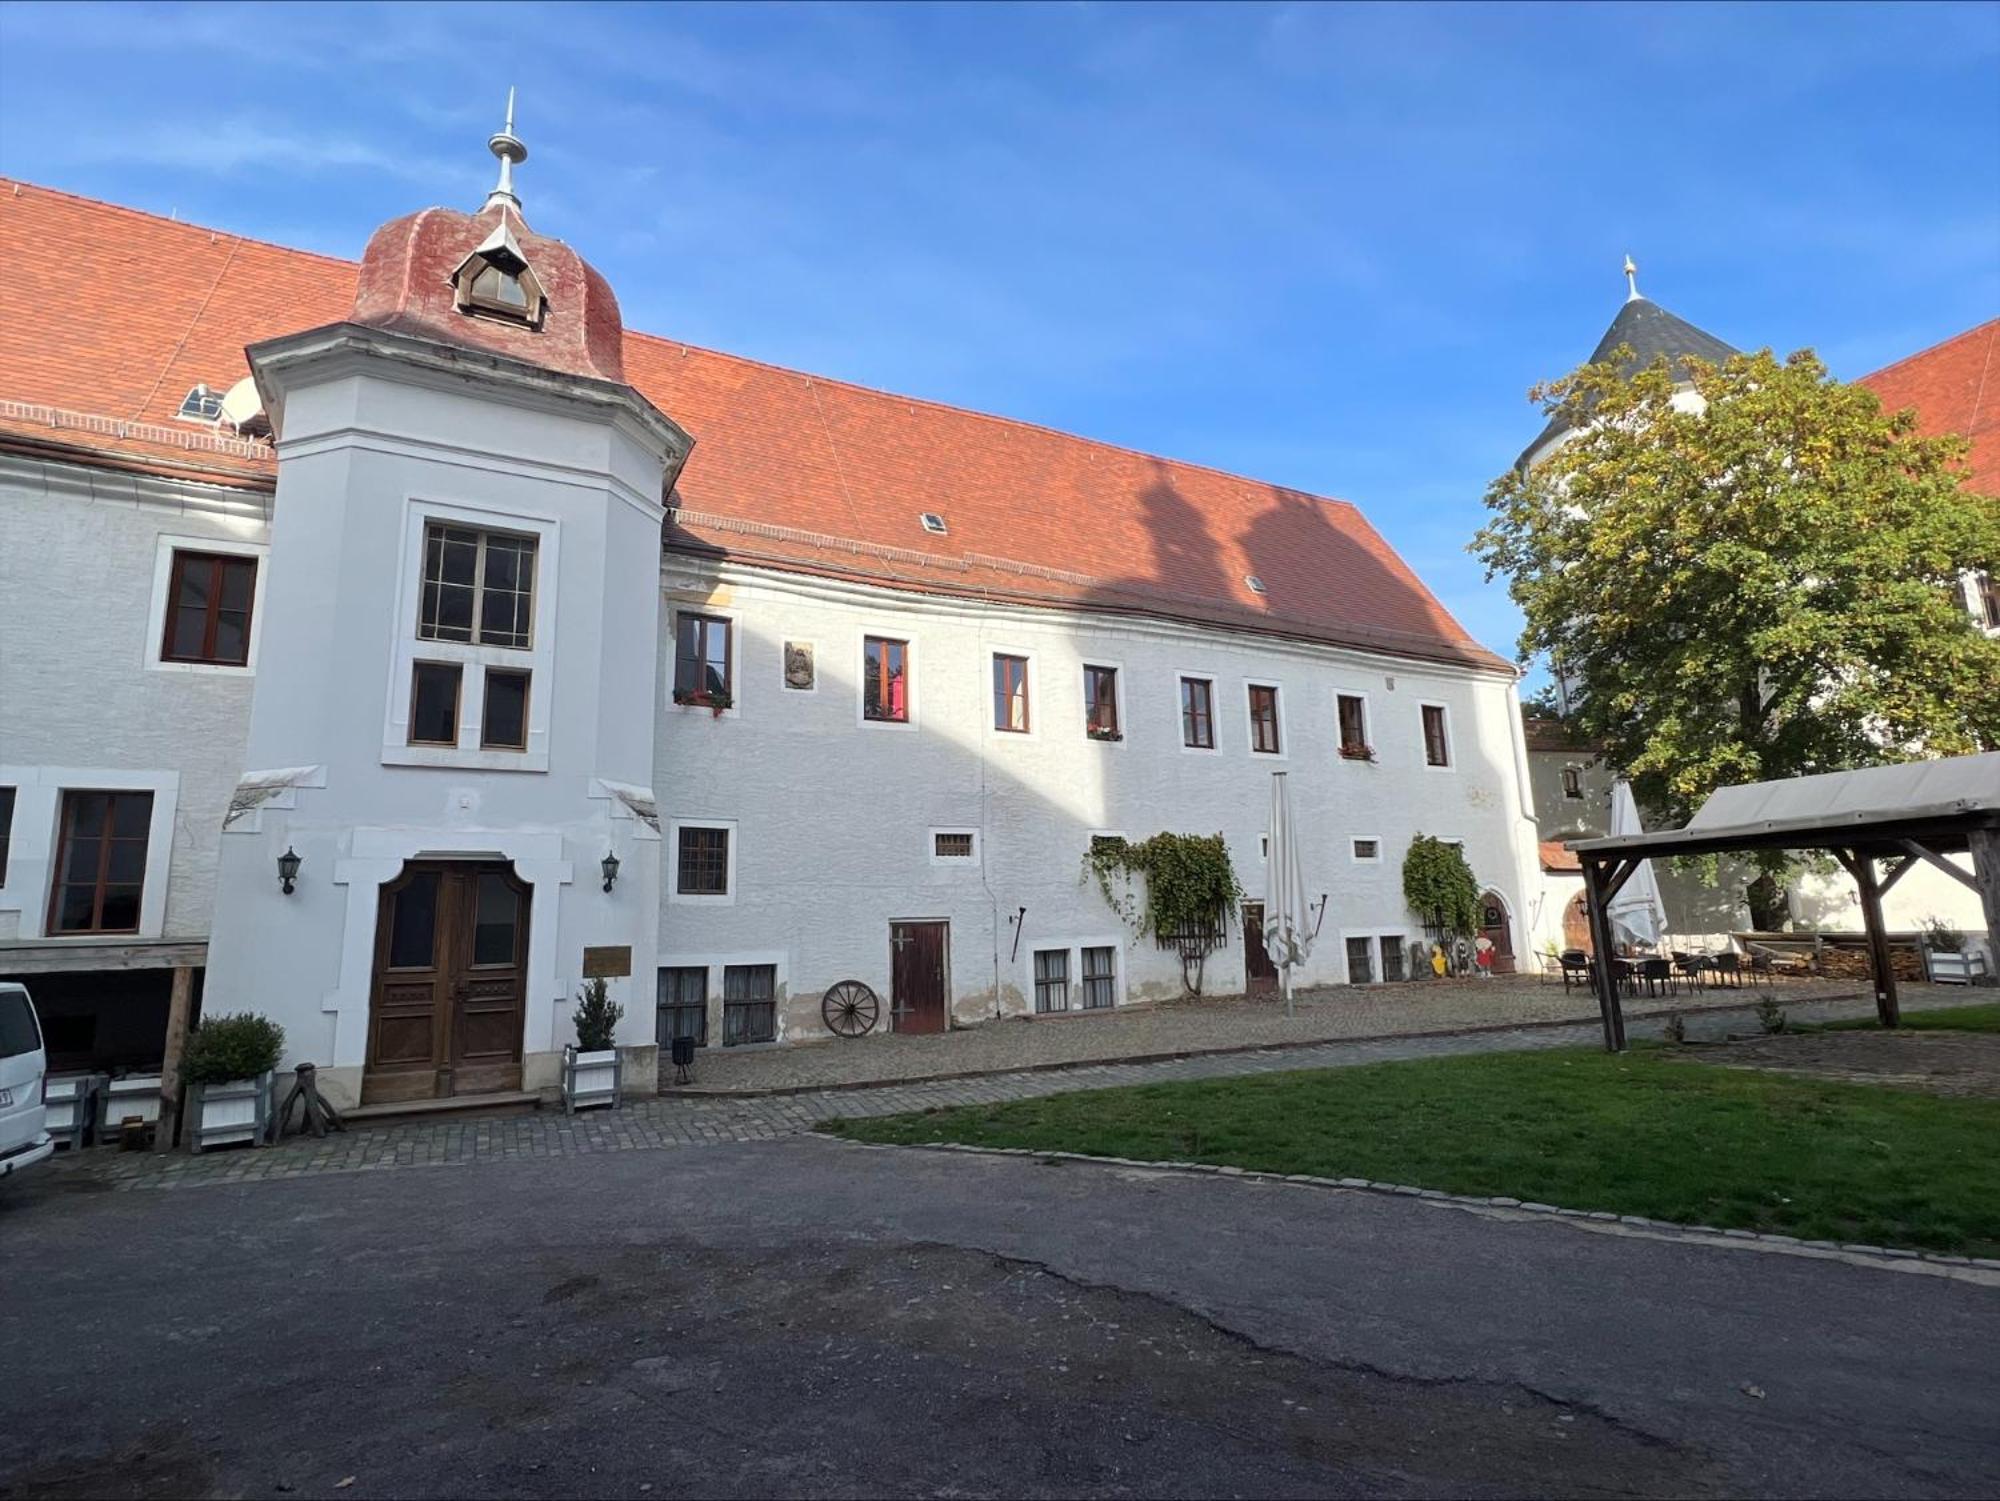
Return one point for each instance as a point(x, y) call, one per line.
point(885, 681)
point(1100, 979)
point(1437, 739)
point(1360, 961)
point(1100, 703)
point(1010, 694)
point(683, 1005)
point(209, 596)
point(100, 862)
point(479, 587)
point(1198, 713)
point(1353, 712)
point(702, 866)
point(1051, 980)
point(703, 669)
point(1264, 719)
point(749, 1003)
point(1394, 956)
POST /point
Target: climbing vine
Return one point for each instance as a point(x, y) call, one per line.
point(1439, 885)
point(1190, 883)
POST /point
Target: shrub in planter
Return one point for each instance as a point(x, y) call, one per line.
point(596, 1017)
point(223, 1049)
point(1940, 937)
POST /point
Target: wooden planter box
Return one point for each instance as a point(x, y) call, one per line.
point(592, 1079)
point(218, 1114)
point(1955, 969)
point(136, 1094)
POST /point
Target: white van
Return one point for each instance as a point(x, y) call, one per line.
point(23, 1141)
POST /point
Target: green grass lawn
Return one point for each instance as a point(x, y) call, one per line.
point(1952, 1019)
point(1639, 1134)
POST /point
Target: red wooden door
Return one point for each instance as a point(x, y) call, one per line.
point(1498, 931)
point(1260, 975)
point(918, 975)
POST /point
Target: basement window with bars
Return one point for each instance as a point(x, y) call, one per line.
point(749, 1004)
point(959, 844)
point(1361, 961)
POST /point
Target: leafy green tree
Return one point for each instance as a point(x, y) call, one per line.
point(1762, 584)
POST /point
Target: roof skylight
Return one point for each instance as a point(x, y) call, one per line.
point(932, 522)
point(1254, 584)
point(200, 405)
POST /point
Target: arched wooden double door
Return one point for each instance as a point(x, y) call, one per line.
point(449, 999)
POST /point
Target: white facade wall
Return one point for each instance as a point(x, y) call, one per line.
point(832, 816)
point(85, 702)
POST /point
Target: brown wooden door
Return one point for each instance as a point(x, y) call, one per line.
point(1498, 931)
point(918, 973)
point(1260, 975)
point(449, 1002)
point(1576, 924)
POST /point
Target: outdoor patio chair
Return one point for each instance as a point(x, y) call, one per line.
point(1761, 968)
point(1655, 973)
point(1691, 967)
point(1575, 967)
point(1728, 970)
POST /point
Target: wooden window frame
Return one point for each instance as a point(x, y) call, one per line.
point(697, 693)
point(699, 1008)
point(8, 796)
point(1006, 692)
point(457, 670)
point(429, 630)
point(1443, 721)
point(682, 891)
point(1041, 985)
point(68, 804)
point(1354, 844)
point(735, 1008)
point(1107, 982)
point(1100, 696)
point(486, 740)
point(970, 858)
point(1277, 745)
point(1370, 956)
point(887, 680)
point(176, 574)
point(1355, 748)
point(1189, 718)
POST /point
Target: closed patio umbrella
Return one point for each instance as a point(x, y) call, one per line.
point(1637, 910)
point(1287, 938)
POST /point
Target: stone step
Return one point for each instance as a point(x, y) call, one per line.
point(390, 1112)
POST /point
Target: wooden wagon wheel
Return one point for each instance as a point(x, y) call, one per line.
point(850, 1009)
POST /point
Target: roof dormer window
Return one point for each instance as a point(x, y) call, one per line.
point(496, 281)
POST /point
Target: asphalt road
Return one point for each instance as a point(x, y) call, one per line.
point(808, 1317)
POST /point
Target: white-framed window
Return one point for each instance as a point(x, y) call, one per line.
point(478, 593)
point(1373, 956)
point(955, 847)
point(207, 610)
point(1264, 703)
point(1435, 723)
point(73, 833)
point(722, 999)
point(1075, 974)
point(1365, 849)
point(701, 862)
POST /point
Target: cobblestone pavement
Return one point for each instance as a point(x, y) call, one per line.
point(682, 1121)
point(1947, 1063)
point(1172, 1028)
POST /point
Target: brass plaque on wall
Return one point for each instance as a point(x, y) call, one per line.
point(607, 963)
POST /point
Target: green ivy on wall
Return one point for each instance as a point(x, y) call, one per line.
point(1439, 885)
point(1190, 883)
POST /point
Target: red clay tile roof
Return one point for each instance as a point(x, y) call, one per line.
point(1955, 387)
point(115, 314)
point(1555, 857)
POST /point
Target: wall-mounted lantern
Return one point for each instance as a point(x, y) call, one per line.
point(609, 865)
point(288, 869)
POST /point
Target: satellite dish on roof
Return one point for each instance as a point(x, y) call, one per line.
point(243, 408)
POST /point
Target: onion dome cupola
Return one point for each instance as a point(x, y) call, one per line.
point(488, 281)
point(1651, 333)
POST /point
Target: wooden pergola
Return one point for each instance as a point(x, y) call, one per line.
point(1880, 823)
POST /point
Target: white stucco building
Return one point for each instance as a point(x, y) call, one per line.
point(546, 648)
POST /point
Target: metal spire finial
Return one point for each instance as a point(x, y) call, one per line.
point(1631, 280)
point(511, 150)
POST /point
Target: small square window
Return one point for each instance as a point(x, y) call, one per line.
point(434, 703)
point(1367, 850)
point(1102, 843)
point(1051, 981)
point(504, 723)
point(952, 846)
point(1100, 703)
point(885, 685)
point(702, 867)
point(209, 596)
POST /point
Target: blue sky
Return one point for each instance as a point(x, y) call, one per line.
point(1327, 246)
